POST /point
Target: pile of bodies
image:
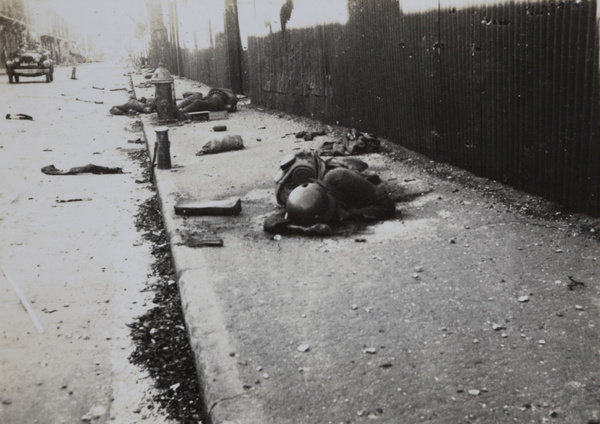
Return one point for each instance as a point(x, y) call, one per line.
point(217, 99)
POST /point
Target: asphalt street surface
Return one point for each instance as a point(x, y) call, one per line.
point(73, 265)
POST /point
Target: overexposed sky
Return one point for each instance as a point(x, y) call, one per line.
point(100, 16)
point(110, 23)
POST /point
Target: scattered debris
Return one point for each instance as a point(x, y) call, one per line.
point(218, 128)
point(21, 116)
point(353, 143)
point(198, 241)
point(87, 199)
point(89, 101)
point(574, 283)
point(523, 299)
point(310, 135)
point(370, 350)
point(303, 348)
point(206, 115)
point(166, 354)
point(279, 224)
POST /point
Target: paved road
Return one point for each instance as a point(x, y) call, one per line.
point(69, 247)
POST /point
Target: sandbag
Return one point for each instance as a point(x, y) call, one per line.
point(222, 144)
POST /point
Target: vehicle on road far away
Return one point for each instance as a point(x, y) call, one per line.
point(30, 64)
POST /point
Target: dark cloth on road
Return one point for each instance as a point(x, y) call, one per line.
point(21, 116)
point(86, 169)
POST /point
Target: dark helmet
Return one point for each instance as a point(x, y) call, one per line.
point(310, 204)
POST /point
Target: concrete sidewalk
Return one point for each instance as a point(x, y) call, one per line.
point(464, 308)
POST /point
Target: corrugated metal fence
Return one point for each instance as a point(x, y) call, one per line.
point(507, 90)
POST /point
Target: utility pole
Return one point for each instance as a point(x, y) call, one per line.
point(234, 46)
point(158, 33)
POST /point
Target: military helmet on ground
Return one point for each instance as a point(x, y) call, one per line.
point(310, 204)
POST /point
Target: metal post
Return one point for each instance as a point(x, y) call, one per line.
point(163, 148)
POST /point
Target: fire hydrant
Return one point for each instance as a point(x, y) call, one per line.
point(164, 96)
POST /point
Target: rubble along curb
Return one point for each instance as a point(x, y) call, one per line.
point(209, 341)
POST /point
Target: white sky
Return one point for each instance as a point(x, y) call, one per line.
point(111, 23)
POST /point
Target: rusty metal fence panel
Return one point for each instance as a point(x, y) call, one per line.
point(507, 90)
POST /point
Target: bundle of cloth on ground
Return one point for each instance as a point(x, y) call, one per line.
point(353, 143)
point(317, 192)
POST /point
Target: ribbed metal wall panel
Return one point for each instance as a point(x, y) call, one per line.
point(508, 90)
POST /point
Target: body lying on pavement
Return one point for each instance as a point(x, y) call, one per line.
point(141, 106)
point(217, 99)
point(317, 194)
